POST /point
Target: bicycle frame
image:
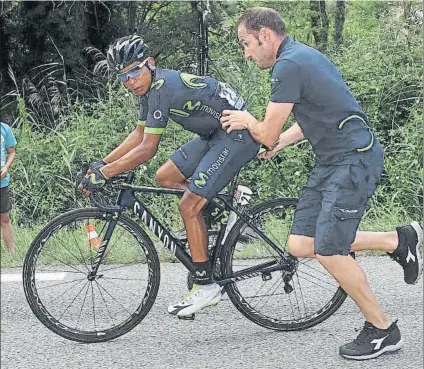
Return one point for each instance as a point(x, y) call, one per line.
point(127, 199)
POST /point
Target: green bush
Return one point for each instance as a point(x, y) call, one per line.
point(382, 64)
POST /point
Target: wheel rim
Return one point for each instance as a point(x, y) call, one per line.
point(285, 299)
point(62, 292)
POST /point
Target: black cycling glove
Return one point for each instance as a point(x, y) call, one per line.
point(97, 165)
point(94, 181)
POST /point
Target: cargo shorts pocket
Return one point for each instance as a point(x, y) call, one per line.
point(341, 232)
point(346, 222)
point(347, 214)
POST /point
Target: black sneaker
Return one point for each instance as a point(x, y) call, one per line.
point(408, 253)
point(372, 342)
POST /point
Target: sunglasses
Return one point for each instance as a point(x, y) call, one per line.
point(132, 73)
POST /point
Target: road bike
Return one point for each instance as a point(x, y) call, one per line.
point(92, 274)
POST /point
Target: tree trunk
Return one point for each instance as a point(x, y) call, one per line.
point(339, 20)
point(34, 40)
point(319, 23)
point(200, 62)
point(132, 16)
point(324, 25)
point(4, 47)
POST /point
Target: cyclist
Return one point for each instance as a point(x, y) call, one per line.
point(349, 163)
point(210, 160)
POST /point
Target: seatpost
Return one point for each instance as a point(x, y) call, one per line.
point(130, 177)
point(234, 184)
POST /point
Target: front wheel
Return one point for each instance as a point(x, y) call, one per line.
point(57, 284)
point(279, 300)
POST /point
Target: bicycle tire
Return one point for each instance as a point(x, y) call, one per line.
point(146, 263)
point(244, 304)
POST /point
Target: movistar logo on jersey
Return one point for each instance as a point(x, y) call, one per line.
point(157, 84)
point(179, 113)
point(201, 182)
point(189, 105)
point(199, 106)
point(190, 80)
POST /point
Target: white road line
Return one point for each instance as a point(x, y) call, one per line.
point(14, 277)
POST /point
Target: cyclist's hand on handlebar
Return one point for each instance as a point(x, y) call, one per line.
point(95, 165)
point(93, 181)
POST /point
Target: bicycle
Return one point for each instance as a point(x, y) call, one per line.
point(115, 270)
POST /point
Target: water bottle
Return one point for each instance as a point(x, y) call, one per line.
point(241, 198)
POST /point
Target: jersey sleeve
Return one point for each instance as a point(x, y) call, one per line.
point(142, 111)
point(286, 82)
point(158, 113)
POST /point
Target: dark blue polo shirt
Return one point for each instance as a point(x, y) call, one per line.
point(329, 116)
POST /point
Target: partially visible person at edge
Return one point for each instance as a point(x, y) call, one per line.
point(349, 163)
point(8, 143)
point(211, 159)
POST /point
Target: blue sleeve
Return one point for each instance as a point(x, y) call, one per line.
point(286, 82)
point(158, 113)
point(142, 110)
point(10, 140)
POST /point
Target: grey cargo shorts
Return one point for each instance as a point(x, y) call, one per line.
point(334, 199)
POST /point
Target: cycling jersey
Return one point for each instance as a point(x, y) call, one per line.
point(194, 102)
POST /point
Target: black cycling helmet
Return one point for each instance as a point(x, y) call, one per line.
point(125, 51)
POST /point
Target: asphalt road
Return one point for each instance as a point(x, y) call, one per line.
point(218, 338)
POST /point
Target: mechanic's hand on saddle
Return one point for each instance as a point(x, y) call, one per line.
point(232, 120)
point(268, 154)
point(92, 181)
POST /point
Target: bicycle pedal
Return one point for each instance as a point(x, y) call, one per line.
point(266, 276)
point(187, 317)
point(287, 288)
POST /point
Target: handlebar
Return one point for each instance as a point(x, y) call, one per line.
point(126, 177)
point(108, 208)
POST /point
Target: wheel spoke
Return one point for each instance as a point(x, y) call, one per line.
point(73, 300)
point(283, 299)
point(111, 302)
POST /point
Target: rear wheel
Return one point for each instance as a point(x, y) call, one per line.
point(56, 283)
point(277, 300)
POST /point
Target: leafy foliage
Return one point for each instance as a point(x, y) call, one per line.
point(65, 112)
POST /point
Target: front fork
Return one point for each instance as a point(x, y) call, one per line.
point(102, 248)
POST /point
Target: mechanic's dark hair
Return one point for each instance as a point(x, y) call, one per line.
point(259, 17)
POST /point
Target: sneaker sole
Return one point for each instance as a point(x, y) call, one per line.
point(191, 310)
point(419, 231)
point(391, 348)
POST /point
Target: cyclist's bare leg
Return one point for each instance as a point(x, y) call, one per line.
point(204, 291)
point(303, 246)
point(191, 211)
point(169, 176)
